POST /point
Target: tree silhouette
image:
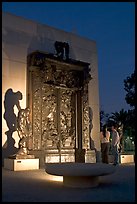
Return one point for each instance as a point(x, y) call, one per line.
point(129, 86)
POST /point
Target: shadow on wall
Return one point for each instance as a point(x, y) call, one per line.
point(11, 99)
point(92, 145)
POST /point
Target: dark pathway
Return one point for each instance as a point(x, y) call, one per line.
point(35, 186)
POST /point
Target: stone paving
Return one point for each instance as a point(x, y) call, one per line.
point(38, 186)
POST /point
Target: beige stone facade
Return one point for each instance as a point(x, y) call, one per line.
point(20, 37)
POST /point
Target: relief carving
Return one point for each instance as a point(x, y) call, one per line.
point(69, 79)
point(66, 116)
point(54, 104)
point(49, 127)
point(36, 92)
point(86, 119)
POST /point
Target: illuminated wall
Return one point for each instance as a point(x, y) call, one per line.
point(19, 38)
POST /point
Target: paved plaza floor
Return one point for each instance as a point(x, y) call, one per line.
point(38, 186)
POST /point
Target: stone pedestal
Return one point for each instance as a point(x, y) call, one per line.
point(90, 156)
point(21, 156)
point(126, 158)
point(85, 156)
point(21, 164)
point(54, 156)
point(80, 155)
point(123, 158)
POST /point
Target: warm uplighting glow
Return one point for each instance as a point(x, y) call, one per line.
point(48, 177)
point(38, 174)
point(54, 178)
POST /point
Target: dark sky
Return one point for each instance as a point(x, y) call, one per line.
point(110, 24)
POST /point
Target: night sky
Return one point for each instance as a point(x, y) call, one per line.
point(110, 24)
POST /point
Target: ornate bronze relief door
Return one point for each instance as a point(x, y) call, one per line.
point(59, 107)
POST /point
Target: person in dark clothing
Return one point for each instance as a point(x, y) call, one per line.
point(115, 144)
point(105, 144)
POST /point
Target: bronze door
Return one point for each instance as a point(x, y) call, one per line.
point(53, 115)
point(58, 98)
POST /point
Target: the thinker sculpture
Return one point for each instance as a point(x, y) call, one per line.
point(25, 134)
point(62, 49)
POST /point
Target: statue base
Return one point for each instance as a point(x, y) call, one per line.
point(21, 164)
point(54, 156)
point(21, 156)
point(85, 156)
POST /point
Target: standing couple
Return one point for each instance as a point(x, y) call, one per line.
point(105, 144)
